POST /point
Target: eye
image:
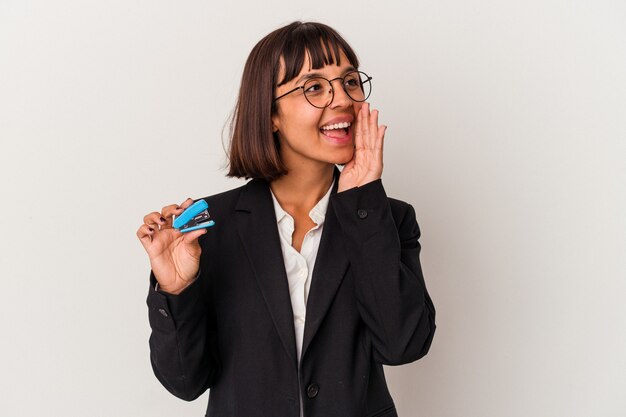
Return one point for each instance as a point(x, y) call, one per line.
point(352, 82)
point(313, 87)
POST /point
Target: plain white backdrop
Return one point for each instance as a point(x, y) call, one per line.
point(507, 133)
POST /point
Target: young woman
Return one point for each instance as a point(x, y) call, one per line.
point(310, 280)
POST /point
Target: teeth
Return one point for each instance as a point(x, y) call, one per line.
point(336, 126)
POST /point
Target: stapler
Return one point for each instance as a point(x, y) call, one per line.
point(196, 216)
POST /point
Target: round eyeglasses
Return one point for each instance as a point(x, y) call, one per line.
point(319, 91)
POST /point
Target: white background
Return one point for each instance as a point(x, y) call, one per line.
point(507, 132)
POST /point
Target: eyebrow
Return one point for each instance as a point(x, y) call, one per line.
point(317, 74)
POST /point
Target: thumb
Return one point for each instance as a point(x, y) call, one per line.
point(348, 166)
point(191, 237)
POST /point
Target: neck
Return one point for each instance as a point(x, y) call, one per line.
point(301, 189)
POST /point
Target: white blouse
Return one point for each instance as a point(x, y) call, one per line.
point(299, 265)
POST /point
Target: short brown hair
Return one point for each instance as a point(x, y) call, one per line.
point(254, 149)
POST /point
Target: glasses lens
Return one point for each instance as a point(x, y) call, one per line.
point(318, 92)
point(358, 85)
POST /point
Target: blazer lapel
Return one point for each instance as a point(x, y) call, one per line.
point(330, 267)
point(256, 223)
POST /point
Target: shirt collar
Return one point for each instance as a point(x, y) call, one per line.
point(317, 213)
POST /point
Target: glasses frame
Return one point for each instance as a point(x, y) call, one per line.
point(332, 89)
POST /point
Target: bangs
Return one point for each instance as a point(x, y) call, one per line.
point(321, 43)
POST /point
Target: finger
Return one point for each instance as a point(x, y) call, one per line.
point(154, 220)
point(186, 203)
point(178, 210)
point(373, 129)
point(145, 233)
point(175, 210)
point(381, 137)
point(167, 213)
point(365, 125)
point(358, 130)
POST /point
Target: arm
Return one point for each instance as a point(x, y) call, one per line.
point(182, 343)
point(183, 348)
point(384, 252)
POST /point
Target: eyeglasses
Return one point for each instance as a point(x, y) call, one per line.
point(319, 91)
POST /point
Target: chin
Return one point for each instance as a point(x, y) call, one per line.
point(344, 158)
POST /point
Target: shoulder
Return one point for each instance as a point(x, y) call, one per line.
point(225, 196)
point(398, 206)
point(374, 193)
point(373, 196)
point(405, 220)
point(227, 202)
point(403, 214)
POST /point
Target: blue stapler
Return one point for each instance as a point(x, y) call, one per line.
point(196, 216)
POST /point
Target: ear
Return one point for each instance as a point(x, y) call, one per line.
point(275, 123)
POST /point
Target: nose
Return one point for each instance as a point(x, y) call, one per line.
point(341, 98)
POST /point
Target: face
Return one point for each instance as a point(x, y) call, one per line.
point(307, 135)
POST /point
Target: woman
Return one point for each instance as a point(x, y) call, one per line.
point(310, 280)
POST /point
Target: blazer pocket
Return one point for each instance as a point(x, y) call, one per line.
point(389, 411)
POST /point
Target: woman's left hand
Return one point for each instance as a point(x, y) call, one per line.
point(366, 164)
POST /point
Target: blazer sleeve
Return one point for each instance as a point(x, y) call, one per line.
point(183, 342)
point(383, 250)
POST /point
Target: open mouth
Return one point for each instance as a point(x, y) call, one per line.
point(337, 131)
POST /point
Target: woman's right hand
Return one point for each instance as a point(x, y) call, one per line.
point(174, 256)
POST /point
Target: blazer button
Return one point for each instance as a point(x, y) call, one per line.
point(312, 390)
point(362, 213)
point(163, 312)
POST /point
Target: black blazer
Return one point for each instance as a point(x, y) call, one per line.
point(232, 330)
